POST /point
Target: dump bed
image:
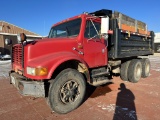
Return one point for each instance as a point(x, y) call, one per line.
point(130, 37)
point(124, 43)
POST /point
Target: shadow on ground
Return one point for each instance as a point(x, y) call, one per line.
point(124, 108)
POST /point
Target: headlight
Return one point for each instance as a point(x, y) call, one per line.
point(41, 71)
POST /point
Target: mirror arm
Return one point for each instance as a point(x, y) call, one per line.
point(94, 27)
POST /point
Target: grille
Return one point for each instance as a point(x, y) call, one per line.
point(17, 54)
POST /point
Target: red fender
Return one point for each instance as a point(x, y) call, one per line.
point(51, 62)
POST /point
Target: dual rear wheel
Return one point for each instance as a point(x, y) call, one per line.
point(135, 69)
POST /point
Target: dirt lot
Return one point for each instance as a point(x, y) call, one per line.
point(119, 101)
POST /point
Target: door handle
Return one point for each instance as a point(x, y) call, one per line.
point(79, 52)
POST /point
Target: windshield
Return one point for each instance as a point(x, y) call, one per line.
point(67, 29)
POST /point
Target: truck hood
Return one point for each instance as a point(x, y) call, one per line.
point(39, 48)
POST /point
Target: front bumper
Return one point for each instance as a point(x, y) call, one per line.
point(27, 88)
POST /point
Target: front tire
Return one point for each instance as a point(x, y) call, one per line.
point(67, 91)
point(135, 70)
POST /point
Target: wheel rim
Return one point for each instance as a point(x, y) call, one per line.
point(69, 92)
point(138, 71)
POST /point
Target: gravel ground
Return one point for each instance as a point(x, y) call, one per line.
point(5, 66)
point(118, 101)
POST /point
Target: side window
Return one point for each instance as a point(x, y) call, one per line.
point(90, 31)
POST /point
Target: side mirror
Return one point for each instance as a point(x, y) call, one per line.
point(8, 41)
point(104, 27)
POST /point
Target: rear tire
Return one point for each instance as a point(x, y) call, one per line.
point(155, 48)
point(135, 70)
point(145, 67)
point(124, 70)
point(67, 91)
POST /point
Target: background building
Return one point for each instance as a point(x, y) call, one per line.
point(10, 31)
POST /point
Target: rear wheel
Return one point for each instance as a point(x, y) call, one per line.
point(67, 91)
point(145, 67)
point(124, 70)
point(155, 48)
point(135, 71)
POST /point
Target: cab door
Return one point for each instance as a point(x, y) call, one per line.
point(95, 49)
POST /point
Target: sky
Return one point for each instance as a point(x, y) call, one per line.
point(39, 15)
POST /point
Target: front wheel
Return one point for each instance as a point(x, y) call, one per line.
point(67, 91)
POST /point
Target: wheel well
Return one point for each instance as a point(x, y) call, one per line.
point(74, 64)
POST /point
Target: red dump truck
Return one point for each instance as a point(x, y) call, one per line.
point(88, 48)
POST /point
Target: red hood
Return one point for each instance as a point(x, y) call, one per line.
point(48, 46)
